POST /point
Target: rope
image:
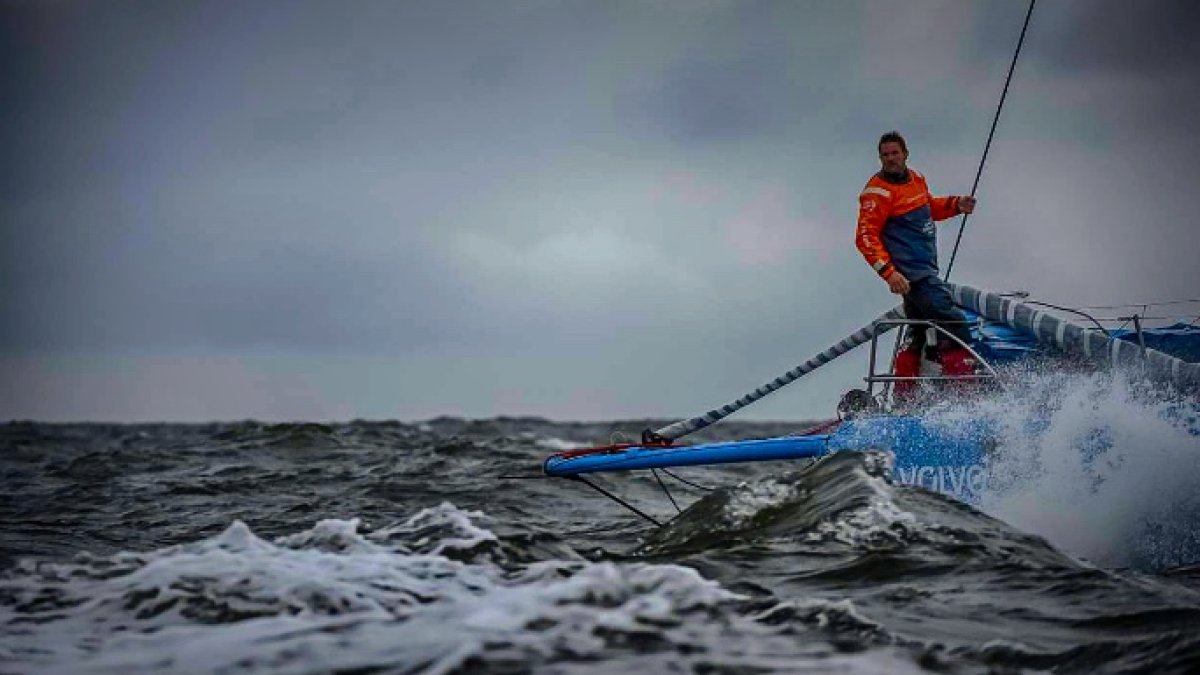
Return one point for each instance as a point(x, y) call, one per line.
point(665, 490)
point(1068, 309)
point(1143, 304)
point(684, 427)
point(987, 146)
point(615, 498)
point(686, 481)
point(1097, 319)
point(1144, 317)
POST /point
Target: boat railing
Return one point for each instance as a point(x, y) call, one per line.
point(884, 325)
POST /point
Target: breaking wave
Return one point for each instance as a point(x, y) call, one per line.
point(1099, 465)
point(391, 547)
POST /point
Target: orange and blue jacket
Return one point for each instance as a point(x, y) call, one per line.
point(895, 225)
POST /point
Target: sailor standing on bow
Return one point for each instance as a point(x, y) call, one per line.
point(896, 235)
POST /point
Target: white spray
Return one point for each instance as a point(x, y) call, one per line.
point(1101, 467)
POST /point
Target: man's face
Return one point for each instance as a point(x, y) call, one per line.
point(892, 157)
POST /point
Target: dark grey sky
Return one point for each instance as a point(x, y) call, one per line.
point(577, 209)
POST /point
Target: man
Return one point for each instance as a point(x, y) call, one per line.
point(895, 234)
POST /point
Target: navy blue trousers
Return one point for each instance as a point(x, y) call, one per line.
point(930, 299)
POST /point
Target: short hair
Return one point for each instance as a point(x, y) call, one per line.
point(893, 136)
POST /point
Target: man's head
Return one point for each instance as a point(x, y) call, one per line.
point(893, 152)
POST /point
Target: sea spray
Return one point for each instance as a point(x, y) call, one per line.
point(1097, 464)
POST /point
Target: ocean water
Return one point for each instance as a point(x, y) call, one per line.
point(435, 547)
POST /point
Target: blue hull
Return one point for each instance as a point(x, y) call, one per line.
point(949, 459)
point(792, 447)
point(946, 458)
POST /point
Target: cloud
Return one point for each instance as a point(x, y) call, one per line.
point(1155, 38)
point(722, 100)
point(570, 196)
point(768, 230)
point(189, 389)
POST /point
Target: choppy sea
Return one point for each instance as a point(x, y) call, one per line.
point(390, 547)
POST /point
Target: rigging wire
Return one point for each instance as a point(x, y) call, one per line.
point(1143, 317)
point(665, 490)
point(987, 146)
point(615, 498)
point(1161, 303)
point(1068, 309)
point(686, 481)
